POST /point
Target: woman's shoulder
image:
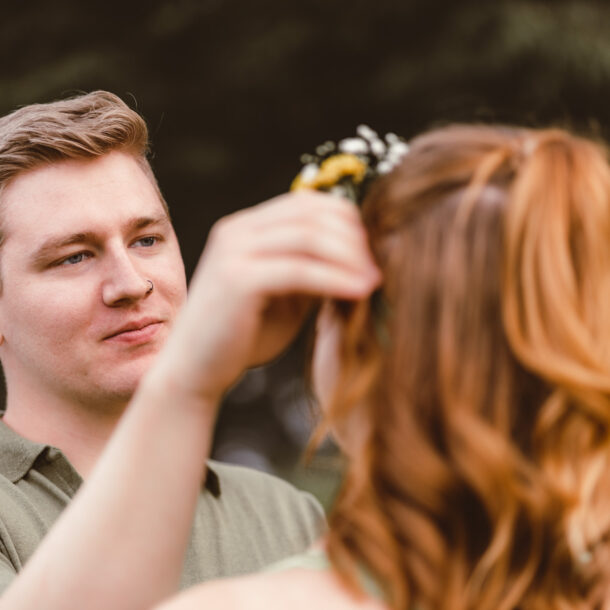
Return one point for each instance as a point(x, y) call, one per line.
point(298, 589)
point(321, 589)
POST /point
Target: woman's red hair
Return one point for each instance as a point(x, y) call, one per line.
point(480, 479)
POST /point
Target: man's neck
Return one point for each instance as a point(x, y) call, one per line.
point(81, 433)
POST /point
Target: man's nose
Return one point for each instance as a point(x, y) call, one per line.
point(124, 283)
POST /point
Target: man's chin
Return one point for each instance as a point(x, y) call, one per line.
point(121, 385)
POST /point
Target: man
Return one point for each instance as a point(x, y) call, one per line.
point(113, 380)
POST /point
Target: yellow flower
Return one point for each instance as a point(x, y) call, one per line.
point(331, 171)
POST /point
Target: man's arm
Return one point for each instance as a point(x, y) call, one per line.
point(257, 275)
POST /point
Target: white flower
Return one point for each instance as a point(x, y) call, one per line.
point(378, 147)
point(384, 167)
point(391, 138)
point(309, 173)
point(366, 132)
point(338, 190)
point(354, 146)
point(398, 148)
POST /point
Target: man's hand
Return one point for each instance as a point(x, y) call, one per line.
point(257, 276)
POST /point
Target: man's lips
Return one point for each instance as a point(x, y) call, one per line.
point(136, 331)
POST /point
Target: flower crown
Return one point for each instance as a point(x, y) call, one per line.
point(348, 168)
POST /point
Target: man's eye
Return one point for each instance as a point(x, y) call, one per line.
point(147, 242)
point(74, 259)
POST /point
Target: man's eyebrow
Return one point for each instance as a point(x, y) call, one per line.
point(51, 245)
point(143, 222)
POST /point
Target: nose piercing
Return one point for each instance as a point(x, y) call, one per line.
point(151, 287)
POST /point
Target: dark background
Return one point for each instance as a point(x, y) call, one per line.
point(235, 90)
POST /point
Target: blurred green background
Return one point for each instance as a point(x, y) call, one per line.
point(235, 90)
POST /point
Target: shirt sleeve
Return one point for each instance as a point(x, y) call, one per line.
point(7, 572)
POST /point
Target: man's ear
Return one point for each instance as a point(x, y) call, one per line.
point(1, 326)
point(1, 318)
point(1, 333)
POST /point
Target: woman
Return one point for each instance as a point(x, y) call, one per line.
point(471, 394)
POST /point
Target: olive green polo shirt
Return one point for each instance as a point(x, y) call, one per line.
point(244, 520)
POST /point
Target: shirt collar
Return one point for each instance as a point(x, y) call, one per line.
point(18, 454)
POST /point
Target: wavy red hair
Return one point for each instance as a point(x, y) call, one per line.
point(481, 477)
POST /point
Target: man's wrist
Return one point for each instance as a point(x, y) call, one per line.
point(168, 385)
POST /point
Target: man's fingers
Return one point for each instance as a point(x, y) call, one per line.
point(299, 241)
point(301, 207)
point(255, 262)
point(313, 225)
point(296, 275)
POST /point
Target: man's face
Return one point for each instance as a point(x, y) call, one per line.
point(82, 240)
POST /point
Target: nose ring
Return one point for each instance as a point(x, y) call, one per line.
point(151, 287)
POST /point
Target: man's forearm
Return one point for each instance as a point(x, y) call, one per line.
point(248, 297)
point(112, 547)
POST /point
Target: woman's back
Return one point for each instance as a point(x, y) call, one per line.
point(295, 589)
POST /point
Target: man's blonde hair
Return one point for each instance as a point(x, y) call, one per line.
point(82, 127)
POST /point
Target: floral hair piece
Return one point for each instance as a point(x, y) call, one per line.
point(347, 168)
